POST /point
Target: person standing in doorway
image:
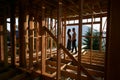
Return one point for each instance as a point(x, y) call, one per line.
point(74, 40)
point(69, 40)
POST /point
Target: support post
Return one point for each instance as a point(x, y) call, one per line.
point(51, 41)
point(59, 14)
point(65, 34)
point(31, 41)
point(1, 41)
point(13, 34)
point(22, 18)
point(37, 39)
point(26, 37)
point(43, 59)
point(5, 42)
point(100, 39)
point(91, 40)
point(79, 39)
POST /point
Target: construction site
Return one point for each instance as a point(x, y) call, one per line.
point(33, 40)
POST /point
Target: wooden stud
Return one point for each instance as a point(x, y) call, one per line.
point(100, 38)
point(5, 42)
point(1, 41)
point(51, 25)
point(26, 36)
point(31, 42)
point(91, 40)
point(59, 14)
point(65, 35)
point(45, 39)
point(37, 41)
point(22, 19)
point(13, 34)
point(79, 39)
point(43, 55)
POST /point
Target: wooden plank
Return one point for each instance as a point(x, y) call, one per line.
point(100, 38)
point(96, 73)
point(26, 36)
point(74, 24)
point(52, 63)
point(31, 41)
point(95, 67)
point(43, 55)
point(59, 40)
point(71, 67)
point(79, 39)
point(65, 34)
point(1, 43)
point(91, 71)
point(67, 74)
point(37, 41)
point(51, 24)
point(5, 42)
point(50, 69)
point(85, 16)
point(21, 35)
point(12, 33)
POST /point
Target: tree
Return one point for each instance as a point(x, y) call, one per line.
point(95, 40)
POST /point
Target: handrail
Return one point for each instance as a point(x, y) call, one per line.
point(70, 55)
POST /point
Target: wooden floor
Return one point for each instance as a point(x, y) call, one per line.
point(95, 66)
point(92, 61)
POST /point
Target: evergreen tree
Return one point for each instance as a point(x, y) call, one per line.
point(95, 40)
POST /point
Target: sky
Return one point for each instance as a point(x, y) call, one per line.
point(8, 24)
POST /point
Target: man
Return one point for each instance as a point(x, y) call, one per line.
point(74, 40)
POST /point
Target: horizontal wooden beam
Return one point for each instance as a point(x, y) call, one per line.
point(86, 23)
point(85, 17)
point(91, 71)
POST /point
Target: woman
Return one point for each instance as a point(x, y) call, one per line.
point(74, 41)
point(69, 40)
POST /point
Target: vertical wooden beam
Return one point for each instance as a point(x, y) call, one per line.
point(55, 31)
point(40, 41)
point(13, 34)
point(26, 36)
point(31, 41)
point(65, 34)
point(62, 38)
point(55, 27)
point(43, 59)
point(62, 33)
point(51, 25)
point(5, 42)
point(80, 39)
point(46, 36)
point(113, 42)
point(40, 33)
point(1, 41)
point(59, 15)
point(100, 39)
point(22, 18)
point(91, 40)
point(37, 39)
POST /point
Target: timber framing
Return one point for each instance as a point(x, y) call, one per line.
point(39, 47)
